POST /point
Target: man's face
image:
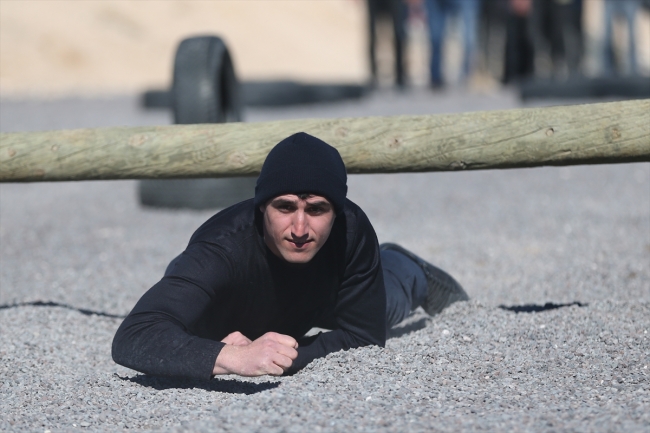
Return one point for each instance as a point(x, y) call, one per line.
point(296, 228)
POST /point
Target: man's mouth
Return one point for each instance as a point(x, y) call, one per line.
point(299, 244)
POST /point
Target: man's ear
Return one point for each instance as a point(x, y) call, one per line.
point(263, 208)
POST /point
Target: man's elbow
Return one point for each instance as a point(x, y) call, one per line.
point(369, 340)
point(126, 347)
point(118, 350)
point(381, 342)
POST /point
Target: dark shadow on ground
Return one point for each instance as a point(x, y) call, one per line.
point(230, 386)
point(533, 308)
point(57, 304)
point(581, 87)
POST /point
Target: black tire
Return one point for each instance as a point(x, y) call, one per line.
point(204, 90)
point(158, 99)
point(195, 194)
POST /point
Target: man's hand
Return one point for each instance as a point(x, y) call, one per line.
point(272, 354)
point(237, 339)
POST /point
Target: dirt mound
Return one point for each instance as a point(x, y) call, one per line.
point(52, 48)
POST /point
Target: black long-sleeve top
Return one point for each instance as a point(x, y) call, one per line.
point(228, 280)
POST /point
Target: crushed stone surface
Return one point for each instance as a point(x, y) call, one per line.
point(75, 257)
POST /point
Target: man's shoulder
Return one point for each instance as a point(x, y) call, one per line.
point(357, 225)
point(355, 216)
point(230, 224)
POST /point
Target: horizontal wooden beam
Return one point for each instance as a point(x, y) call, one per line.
point(611, 132)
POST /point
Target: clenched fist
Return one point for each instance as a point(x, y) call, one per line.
point(237, 339)
point(272, 354)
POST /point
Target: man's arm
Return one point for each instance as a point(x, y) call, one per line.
point(156, 336)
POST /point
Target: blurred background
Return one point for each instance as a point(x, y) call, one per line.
point(52, 48)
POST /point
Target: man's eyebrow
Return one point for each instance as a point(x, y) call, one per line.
point(293, 202)
point(283, 201)
point(319, 203)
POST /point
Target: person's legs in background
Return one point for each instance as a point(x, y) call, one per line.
point(469, 14)
point(556, 18)
point(608, 66)
point(372, 40)
point(519, 61)
point(396, 11)
point(399, 14)
point(577, 38)
point(631, 9)
point(436, 15)
point(567, 16)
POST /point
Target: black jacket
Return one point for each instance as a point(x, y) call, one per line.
point(228, 280)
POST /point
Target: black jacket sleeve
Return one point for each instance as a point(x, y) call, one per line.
point(156, 337)
point(360, 312)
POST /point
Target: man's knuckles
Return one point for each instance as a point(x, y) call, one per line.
point(237, 339)
point(274, 347)
point(271, 335)
point(288, 352)
point(285, 340)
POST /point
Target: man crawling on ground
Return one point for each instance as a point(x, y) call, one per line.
point(257, 276)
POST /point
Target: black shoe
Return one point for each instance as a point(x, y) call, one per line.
point(443, 289)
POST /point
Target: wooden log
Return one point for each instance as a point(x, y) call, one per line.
point(583, 134)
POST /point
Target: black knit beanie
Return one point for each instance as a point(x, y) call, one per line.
point(300, 164)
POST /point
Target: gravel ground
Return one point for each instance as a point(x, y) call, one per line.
point(75, 257)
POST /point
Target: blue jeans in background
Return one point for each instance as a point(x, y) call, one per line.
point(620, 8)
point(437, 12)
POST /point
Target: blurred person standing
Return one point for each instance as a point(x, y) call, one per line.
point(520, 52)
point(396, 12)
point(559, 24)
point(438, 11)
point(627, 9)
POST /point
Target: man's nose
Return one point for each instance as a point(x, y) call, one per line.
point(300, 228)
